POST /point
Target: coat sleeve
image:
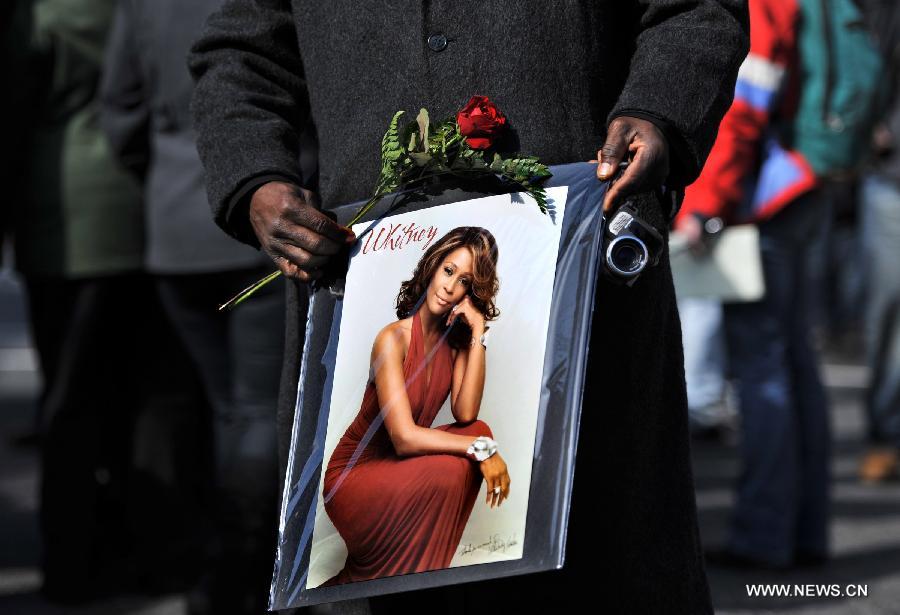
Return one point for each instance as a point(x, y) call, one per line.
point(761, 83)
point(124, 100)
point(249, 104)
point(682, 73)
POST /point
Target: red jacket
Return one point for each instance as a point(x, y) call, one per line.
point(748, 175)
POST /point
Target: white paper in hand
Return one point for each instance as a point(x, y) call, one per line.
point(731, 272)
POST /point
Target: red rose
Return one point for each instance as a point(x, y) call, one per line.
point(480, 122)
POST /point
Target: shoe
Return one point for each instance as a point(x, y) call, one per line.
point(879, 465)
point(726, 558)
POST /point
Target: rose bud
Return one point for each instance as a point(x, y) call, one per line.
point(480, 122)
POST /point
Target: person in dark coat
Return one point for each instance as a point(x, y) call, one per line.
point(645, 80)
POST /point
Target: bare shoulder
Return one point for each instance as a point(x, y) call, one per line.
point(393, 339)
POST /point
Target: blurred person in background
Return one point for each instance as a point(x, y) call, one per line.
point(78, 243)
point(146, 93)
point(77, 222)
point(703, 336)
point(114, 383)
point(835, 265)
point(799, 116)
point(14, 34)
point(880, 239)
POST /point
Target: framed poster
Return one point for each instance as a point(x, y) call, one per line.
point(398, 381)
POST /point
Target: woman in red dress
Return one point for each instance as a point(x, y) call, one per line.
point(398, 490)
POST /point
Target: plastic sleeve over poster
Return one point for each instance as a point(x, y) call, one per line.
point(393, 350)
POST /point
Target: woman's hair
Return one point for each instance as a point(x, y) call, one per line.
point(484, 285)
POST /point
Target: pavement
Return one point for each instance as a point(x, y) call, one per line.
point(865, 530)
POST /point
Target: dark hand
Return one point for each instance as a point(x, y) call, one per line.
point(691, 228)
point(298, 237)
point(646, 147)
point(882, 140)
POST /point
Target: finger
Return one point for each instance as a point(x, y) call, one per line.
point(332, 216)
point(613, 151)
point(490, 491)
point(319, 223)
point(292, 271)
point(306, 238)
point(453, 314)
point(301, 258)
point(634, 178)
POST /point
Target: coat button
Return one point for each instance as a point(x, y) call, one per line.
point(437, 42)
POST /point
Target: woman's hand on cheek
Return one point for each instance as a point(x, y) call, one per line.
point(470, 315)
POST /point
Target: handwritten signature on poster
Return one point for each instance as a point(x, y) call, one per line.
point(492, 545)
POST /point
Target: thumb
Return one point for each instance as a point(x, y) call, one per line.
point(613, 151)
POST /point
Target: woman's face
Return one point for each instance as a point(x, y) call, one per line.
point(450, 282)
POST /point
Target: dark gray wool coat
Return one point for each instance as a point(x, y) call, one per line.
point(559, 71)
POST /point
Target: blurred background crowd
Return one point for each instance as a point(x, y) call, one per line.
point(137, 461)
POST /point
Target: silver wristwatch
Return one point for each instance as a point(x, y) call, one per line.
point(483, 339)
point(482, 448)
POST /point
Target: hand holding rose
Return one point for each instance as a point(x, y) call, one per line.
point(296, 235)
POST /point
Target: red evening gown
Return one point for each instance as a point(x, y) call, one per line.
point(399, 515)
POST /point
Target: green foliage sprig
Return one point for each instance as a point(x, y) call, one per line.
point(420, 151)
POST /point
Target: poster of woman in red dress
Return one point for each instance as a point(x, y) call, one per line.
point(430, 468)
point(420, 478)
